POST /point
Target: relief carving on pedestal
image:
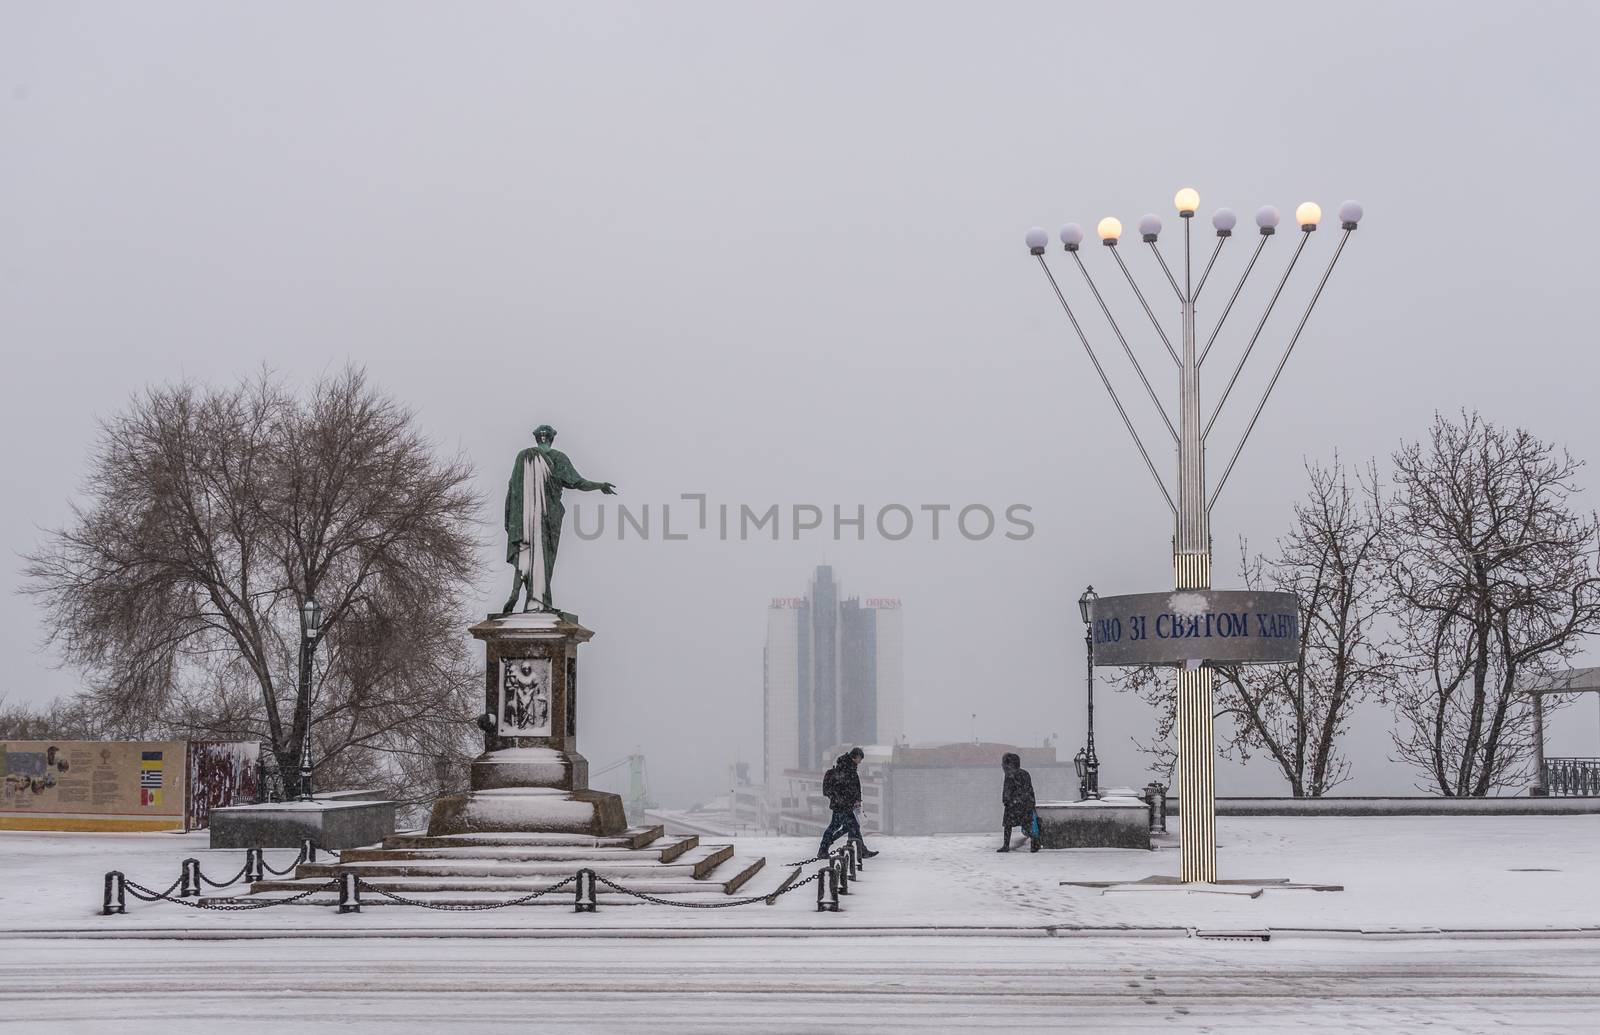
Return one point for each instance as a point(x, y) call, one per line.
point(525, 697)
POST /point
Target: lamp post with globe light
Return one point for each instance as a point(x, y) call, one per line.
point(310, 630)
point(1089, 772)
point(1191, 509)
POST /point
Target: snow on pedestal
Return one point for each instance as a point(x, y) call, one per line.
point(530, 777)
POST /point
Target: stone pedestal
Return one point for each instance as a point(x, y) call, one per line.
point(530, 777)
point(1115, 821)
point(330, 822)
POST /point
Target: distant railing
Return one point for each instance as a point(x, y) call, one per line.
point(1572, 777)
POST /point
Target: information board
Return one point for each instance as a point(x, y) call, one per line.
point(92, 785)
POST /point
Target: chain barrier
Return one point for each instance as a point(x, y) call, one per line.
point(454, 907)
point(853, 848)
point(236, 878)
point(658, 900)
point(150, 896)
point(192, 880)
point(301, 858)
point(116, 884)
point(832, 880)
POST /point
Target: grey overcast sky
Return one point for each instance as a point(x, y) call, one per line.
point(773, 253)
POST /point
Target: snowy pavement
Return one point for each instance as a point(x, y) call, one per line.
point(1451, 873)
point(957, 938)
point(797, 985)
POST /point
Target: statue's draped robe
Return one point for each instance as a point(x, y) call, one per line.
point(534, 514)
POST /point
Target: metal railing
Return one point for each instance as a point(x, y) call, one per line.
point(1571, 777)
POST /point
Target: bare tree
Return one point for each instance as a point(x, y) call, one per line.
point(1329, 560)
point(211, 514)
point(1491, 579)
point(1296, 713)
point(58, 720)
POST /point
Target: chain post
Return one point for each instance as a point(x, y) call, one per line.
point(253, 865)
point(584, 893)
point(850, 862)
point(349, 893)
point(827, 890)
point(114, 901)
point(308, 850)
point(859, 851)
point(840, 878)
point(190, 879)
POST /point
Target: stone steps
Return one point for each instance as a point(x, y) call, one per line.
point(697, 865)
point(664, 850)
point(633, 838)
point(469, 869)
point(489, 888)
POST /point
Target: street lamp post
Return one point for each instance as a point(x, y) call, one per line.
point(310, 628)
point(1191, 511)
point(1089, 785)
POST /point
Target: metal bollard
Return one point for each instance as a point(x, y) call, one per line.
point(1155, 796)
point(308, 850)
point(114, 902)
point(349, 893)
point(840, 877)
point(189, 880)
point(583, 900)
point(852, 861)
point(253, 865)
point(827, 890)
point(858, 850)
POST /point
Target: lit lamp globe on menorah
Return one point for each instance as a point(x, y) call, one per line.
point(1191, 502)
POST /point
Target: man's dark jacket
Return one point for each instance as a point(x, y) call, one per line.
point(843, 787)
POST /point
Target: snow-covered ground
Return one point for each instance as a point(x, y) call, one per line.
point(1502, 872)
point(941, 934)
point(777, 985)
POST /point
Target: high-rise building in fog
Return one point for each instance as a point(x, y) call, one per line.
point(832, 675)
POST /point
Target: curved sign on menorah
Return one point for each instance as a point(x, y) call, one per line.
point(1196, 626)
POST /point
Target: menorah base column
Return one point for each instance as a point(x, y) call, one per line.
point(1197, 802)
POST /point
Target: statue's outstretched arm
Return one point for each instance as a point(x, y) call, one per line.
point(571, 479)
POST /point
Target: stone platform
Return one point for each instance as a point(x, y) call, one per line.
point(472, 869)
point(1115, 821)
point(330, 823)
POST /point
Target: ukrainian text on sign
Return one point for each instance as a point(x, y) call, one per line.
point(1224, 626)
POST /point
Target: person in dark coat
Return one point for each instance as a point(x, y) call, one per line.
point(842, 786)
point(1016, 796)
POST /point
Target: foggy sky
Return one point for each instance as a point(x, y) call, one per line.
point(773, 253)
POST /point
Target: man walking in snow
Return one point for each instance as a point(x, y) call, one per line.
point(842, 787)
point(1016, 797)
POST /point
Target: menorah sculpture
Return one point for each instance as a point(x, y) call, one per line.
point(1191, 555)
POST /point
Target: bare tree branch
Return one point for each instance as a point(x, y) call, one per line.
point(210, 514)
point(1491, 582)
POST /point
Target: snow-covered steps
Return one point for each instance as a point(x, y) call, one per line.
point(665, 850)
point(632, 838)
point(497, 888)
point(481, 868)
point(607, 862)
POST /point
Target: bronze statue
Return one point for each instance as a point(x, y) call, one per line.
point(534, 514)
